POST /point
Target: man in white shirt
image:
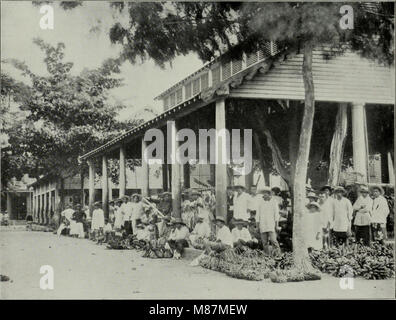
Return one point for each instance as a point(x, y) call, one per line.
point(267, 220)
point(241, 235)
point(254, 200)
point(97, 223)
point(379, 214)
point(201, 230)
point(342, 216)
point(126, 210)
point(66, 219)
point(362, 210)
point(223, 237)
point(177, 240)
point(241, 204)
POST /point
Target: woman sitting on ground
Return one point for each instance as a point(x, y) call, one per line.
point(241, 236)
point(223, 237)
point(177, 240)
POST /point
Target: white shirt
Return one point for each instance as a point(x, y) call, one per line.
point(363, 215)
point(241, 206)
point(254, 202)
point(202, 230)
point(107, 227)
point(342, 215)
point(119, 219)
point(68, 213)
point(224, 235)
point(136, 210)
point(179, 234)
point(242, 234)
point(326, 213)
point(126, 209)
point(380, 210)
point(97, 219)
point(268, 215)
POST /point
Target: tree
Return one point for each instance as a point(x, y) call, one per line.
point(162, 31)
point(67, 115)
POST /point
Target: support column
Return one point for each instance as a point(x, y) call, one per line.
point(359, 141)
point(9, 206)
point(110, 183)
point(91, 185)
point(45, 211)
point(249, 180)
point(105, 187)
point(186, 175)
point(176, 174)
point(165, 177)
point(221, 168)
point(145, 172)
point(122, 178)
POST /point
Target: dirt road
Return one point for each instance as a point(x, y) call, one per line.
point(84, 270)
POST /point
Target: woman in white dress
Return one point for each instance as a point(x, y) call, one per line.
point(313, 227)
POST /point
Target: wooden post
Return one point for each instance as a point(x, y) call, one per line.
point(110, 184)
point(9, 206)
point(105, 187)
point(45, 206)
point(176, 174)
point(249, 180)
point(165, 177)
point(186, 175)
point(221, 168)
point(122, 178)
point(359, 141)
point(146, 172)
point(337, 145)
point(91, 184)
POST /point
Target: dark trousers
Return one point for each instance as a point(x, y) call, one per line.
point(362, 233)
point(128, 227)
point(178, 245)
point(340, 237)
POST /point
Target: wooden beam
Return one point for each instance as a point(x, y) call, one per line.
point(359, 142)
point(176, 168)
point(146, 172)
point(105, 187)
point(221, 168)
point(122, 177)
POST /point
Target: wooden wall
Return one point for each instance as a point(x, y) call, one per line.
point(343, 78)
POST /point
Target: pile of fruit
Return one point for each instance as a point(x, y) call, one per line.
point(374, 262)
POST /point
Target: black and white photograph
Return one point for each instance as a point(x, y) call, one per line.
point(202, 150)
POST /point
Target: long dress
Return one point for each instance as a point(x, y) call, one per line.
point(313, 226)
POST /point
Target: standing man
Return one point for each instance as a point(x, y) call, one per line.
point(326, 212)
point(267, 220)
point(362, 210)
point(379, 214)
point(241, 204)
point(126, 211)
point(342, 216)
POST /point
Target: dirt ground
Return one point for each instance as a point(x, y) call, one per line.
point(84, 270)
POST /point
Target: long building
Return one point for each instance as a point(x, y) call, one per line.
point(356, 89)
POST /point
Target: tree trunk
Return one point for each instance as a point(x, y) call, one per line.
point(82, 188)
point(337, 146)
point(265, 170)
point(294, 111)
point(300, 252)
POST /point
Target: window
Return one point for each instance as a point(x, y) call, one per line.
point(195, 87)
point(204, 81)
point(226, 71)
point(172, 99)
point(179, 95)
point(166, 102)
point(188, 90)
point(215, 75)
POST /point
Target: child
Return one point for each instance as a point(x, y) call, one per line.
point(97, 223)
point(313, 224)
point(107, 230)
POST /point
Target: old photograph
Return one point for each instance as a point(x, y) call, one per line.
point(197, 150)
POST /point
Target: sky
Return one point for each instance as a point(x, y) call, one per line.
point(87, 49)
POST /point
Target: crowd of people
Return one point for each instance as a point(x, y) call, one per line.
point(255, 219)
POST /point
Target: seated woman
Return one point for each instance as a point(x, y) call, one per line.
point(77, 220)
point(201, 232)
point(177, 240)
point(223, 237)
point(241, 235)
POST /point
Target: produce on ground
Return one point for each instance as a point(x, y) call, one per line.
point(375, 262)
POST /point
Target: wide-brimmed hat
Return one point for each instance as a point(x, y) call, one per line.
point(381, 190)
point(220, 219)
point(312, 195)
point(140, 226)
point(166, 193)
point(125, 197)
point(201, 216)
point(265, 190)
point(339, 189)
point(239, 221)
point(313, 204)
point(136, 195)
point(326, 186)
point(239, 186)
point(194, 192)
point(97, 204)
point(276, 189)
point(78, 205)
point(364, 188)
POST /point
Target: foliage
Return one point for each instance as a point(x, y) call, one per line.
point(67, 115)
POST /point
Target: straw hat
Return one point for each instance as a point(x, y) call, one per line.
point(265, 190)
point(326, 187)
point(240, 221)
point(363, 188)
point(381, 190)
point(313, 204)
point(136, 195)
point(220, 219)
point(312, 195)
point(339, 189)
point(178, 221)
